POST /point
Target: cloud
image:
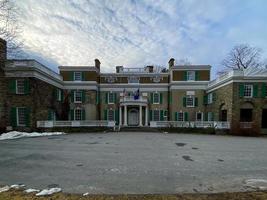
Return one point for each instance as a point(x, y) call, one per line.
point(135, 33)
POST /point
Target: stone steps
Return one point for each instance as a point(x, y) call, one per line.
point(138, 129)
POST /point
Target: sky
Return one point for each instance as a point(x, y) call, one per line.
point(136, 33)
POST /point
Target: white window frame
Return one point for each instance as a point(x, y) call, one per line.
point(251, 88)
point(193, 101)
point(178, 116)
point(210, 98)
point(59, 94)
point(154, 115)
point(113, 98)
point(17, 113)
point(156, 93)
point(210, 115)
point(75, 95)
point(74, 78)
point(113, 114)
point(201, 116)
point(17, 90)
point(191, 75)
point(76, 118)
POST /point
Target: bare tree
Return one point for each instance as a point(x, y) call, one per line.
point(9, 28)
point(243, 56)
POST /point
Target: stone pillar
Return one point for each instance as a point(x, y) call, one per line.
point(120, 116)
point(125, 115)
point(146, 114)
point(140, 116)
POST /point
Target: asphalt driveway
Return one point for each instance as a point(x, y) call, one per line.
point(114, 163)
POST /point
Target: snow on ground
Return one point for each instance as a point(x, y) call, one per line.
point(30, 190)
point(15, 134)
point(50, 191)
point(4, 189)
point(17, 186)
point(260, 184)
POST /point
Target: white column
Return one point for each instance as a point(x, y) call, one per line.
point(140, 116)
point(146, 114)
point(125, 115)
point(120, 116)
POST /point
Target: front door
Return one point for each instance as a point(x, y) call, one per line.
point(264, 118)
point(224, 115)
point(133, 117)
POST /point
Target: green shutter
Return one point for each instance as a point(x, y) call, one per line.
point(13, 116)
point(196, 101)
point(12, 86)
point(83, 114)
point(72, 114)
point(71, 76)
point(151, 97)
point(197, 76)
point(50, 115)
point(161, 115)
point(263, 90)
point(26, 86)
point(106, 97)
point(62, 95)
point(184, 101)
point(150, 115)
point(214, 97)
point(185, 116)
point(241, 90)
point(83, 76)
point(83, 96)
point(115, 98)
point(176, 116)
point(170, 98)
point(255, 90)
point(212, 116)
point(185, 76)
point(27, 117)
point(72, 96)
point(105, 115)
point(117, 116)
point(205, 100)
point(206, 116)
point(160, 98)
point(97, 98)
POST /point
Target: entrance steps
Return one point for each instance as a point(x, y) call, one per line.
point(138, 129)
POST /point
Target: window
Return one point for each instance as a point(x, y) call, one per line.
point(20, 87)
point(156, 98)
point(190, 101)
point(191, 75)
point(166, 115)
point(210, 116)
point(111, 97)
point(78, 114)
point(180, 116)
point(248, 90)
point(77, 76)
point(21, 116)
point(77, 96)
point(199, 116)
point(156, 115)
point(59, 95)
point(210, 98)
point(111, 115)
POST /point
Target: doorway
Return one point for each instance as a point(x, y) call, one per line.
point(264, 118)
point(133, 117)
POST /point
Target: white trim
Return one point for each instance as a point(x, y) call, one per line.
point(154, 98)
point(74, 76)
point(78, 68)
point(74, 114)
point(114, 100)
point(191, 67)
point(202, 116)
point(17, 115)
point(74, 96)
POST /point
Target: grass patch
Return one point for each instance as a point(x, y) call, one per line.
point(19, 195)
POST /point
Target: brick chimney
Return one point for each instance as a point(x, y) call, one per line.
point(3, 50)
point(119, 69)
point(150, 68)
point(97, 63)
point(171, 62)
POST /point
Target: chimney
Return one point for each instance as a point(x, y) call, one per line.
point(149, 68)
point(171, 62)
point(2, 49)
point(119, 69)
point(97, 63)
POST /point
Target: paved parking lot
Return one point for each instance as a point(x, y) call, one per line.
point(134, 162)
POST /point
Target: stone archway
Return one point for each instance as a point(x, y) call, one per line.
point(246, 112)
point(223, 113)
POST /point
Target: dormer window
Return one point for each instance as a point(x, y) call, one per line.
point(191, 75)
point(77, 76)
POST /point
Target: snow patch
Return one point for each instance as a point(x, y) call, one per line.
point(86, 194)
point(260, 184)
point(4, 189)
point(30, 190)
point(50, 191)
point(17, 186)
point(16, 134)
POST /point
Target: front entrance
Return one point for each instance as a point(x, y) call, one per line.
point(264, 118)
point(133, 117)
point(224, 115)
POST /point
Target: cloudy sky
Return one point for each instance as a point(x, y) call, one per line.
point(135, 33)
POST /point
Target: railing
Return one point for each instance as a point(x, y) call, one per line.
point(92, 123)
point(132, 70)
point(131, 99)
point(246, 125)
point(191, 124)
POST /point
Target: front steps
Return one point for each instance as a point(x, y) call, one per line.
point(138, 129)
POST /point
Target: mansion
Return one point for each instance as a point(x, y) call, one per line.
point(34, 96)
